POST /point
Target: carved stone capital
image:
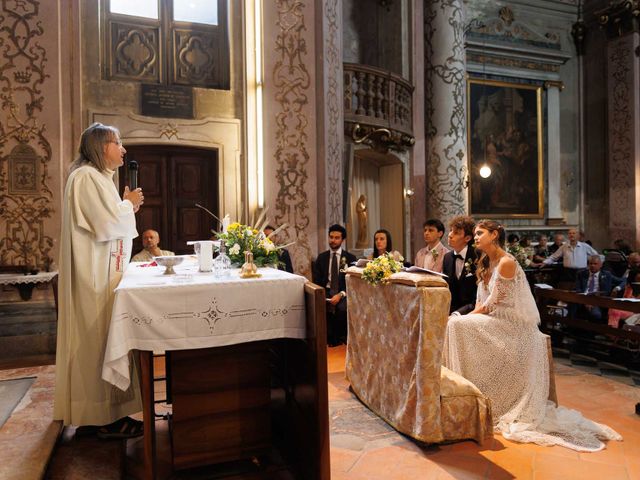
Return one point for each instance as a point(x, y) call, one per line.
point(620, 18)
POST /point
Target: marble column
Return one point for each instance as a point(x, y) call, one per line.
point(624, 137)
point(445, 107)
point(555, 215)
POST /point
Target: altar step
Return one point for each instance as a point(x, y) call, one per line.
point(27, 329)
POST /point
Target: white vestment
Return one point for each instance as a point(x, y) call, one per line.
point(97, 232)
point(505, 355)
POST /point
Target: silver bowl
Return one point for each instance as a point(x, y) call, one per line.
point(169, 262)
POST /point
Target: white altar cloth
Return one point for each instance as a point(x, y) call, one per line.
point(190, 310)
point(21, 278)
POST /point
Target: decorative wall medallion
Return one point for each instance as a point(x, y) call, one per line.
point(195, 55)
point(25, 152)
point(135, 52)
point(292, 82)
point(23, 170)
point(507, 28)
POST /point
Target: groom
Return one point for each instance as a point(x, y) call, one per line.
point(459, 265)
point(328, 272)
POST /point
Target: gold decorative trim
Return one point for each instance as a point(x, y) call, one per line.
point(512, 62)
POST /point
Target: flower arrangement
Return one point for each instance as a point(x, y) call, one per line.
point(520, 254)
point(378, 271)
point(239, 238)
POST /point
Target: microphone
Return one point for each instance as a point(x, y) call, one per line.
point(132, 165)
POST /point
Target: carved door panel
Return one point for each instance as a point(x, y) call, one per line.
point(173, 180)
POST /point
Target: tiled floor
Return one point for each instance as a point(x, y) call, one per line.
point(387, 455)
point(363, 447)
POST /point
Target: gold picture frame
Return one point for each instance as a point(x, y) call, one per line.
point(505, 149)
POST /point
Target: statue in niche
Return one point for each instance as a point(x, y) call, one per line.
point(361, 210)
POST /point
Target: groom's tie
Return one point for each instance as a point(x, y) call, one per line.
point(334, 284)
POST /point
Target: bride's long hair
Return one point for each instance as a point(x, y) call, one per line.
point(482, 270)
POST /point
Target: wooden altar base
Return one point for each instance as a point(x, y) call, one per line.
point(221, 402)
point(251, 411)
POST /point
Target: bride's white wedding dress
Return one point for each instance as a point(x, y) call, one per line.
point(505, 355)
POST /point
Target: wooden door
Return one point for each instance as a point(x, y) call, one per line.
point(174, 180)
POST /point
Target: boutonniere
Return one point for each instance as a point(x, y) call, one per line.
point(468, 265)
point(434, 253)
point(343, 264)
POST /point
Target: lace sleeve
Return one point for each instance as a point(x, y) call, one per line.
point(501, 294)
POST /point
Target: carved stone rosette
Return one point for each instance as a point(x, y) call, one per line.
point(292, 82)
point(445, 92)
point(25, 152)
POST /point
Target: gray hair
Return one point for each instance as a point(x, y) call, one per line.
point(92, 142)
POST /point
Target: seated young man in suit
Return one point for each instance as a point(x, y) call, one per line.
point(432, 255)
point(328, 272)
point(459, 265)
point(594, 280)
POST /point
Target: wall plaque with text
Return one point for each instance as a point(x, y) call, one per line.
point(166, 101)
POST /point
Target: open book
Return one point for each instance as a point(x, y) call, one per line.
point(415, 269)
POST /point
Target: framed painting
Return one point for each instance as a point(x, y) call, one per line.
point(504, 128)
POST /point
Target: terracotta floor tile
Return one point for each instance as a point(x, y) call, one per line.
point(552, 467)
point(342, 460)
point(396, 463)
point(509, 463)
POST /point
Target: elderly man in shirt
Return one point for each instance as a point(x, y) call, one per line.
point(574, 255)
point(150, 242)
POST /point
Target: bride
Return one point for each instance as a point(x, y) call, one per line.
point(499, 348)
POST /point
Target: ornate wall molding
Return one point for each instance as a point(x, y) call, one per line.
point(223, 134)
point(25, 151)
point(445, 109)
point(334, 139)
point(292, 82)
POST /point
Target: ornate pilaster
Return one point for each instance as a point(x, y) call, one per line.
point(624, 137)
point(331, 146)
point(26, 196)
point(445, 92)
point(290, 124)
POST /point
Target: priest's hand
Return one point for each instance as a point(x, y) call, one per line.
point(135, 197)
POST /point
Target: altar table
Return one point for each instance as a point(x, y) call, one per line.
point(218, 333)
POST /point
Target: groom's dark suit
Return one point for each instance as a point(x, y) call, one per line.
point(336, 316)
point(463, 289)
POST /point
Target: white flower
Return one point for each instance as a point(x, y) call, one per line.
point(248, 232)
point(268, 246)
point(235, 250)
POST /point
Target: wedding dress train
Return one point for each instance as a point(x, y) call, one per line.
point(505, 355)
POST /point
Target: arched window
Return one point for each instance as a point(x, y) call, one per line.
point(170, 42)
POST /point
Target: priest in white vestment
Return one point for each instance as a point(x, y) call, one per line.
point(97, 231)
